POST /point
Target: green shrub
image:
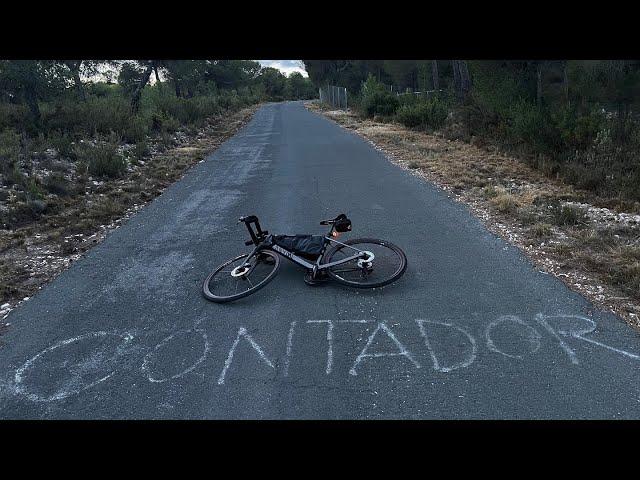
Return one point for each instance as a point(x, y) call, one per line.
point(101, 160)
point(431, 112)
point(568, 215)
point(102, 89)
point(33, 189)
point(192, 110)
point(140, 151)
point(23, 213)
point(588, 177)
point(62, 143)
point(163, 122)
point(97, 115)
point(136, 129)
point(57, 184)
point(532, 126)
point(12, 115)
point(376, 100)
point(579, 131)
point(379, 103)
point(9, 148)
point(410, 116)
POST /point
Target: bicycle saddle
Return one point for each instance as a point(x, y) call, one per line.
point(342, 216)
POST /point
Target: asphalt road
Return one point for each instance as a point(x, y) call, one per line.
point(472, 330)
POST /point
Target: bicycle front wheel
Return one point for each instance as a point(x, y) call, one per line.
point(387, 265)
point(230, 282)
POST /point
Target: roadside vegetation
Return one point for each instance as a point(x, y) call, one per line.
point(549, 164)
point(573, 120)
point(84, 141)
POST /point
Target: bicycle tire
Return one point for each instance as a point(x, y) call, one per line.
point(209, 295)
point(399, 271)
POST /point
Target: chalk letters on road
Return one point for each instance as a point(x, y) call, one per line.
point(450, 348)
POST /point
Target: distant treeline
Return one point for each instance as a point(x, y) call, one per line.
point(51, 104)
point(30, 83)
point(571, 118)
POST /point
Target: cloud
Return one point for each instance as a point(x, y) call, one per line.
point(285, 66)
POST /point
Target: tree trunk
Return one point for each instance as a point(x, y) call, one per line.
point(465, 79)
point(434, 75)
point(539, 84)
point(461, 81)
point(79, 87)
point(135, 100)
point(456, 77)
point(74, 67)
point(565, 82)
point(32, 102)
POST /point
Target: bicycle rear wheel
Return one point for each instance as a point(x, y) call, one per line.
point(388, 264)
point(229, 282)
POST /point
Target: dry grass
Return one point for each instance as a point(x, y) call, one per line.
point(525, 207)
point(505, 203)
point(541, 230)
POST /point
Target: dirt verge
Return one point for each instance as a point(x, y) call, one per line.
point(566, 232)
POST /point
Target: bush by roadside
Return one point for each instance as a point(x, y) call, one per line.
point(101, 160)
point(423, 113)
point(374, 100)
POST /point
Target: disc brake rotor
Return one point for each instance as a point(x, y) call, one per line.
point(239, 271)
point(366, 263)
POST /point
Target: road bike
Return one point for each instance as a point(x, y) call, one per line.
point(359, 262)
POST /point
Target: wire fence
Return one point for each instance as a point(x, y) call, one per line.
point(337, 96)
point(428, 93)
point(334, 96)
point(408, 91)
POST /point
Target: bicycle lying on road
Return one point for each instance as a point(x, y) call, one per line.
point(359, 263)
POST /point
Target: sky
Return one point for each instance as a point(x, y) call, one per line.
point(285, 66)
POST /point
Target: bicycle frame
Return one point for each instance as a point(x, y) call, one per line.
point(261, 239)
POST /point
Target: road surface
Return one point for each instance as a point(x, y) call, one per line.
point(472, 330)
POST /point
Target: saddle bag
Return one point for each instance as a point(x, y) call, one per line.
point(306, 246)
point(342, 223)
